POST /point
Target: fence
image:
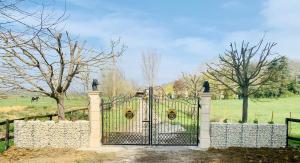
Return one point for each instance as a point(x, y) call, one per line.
point(225, 135)
point(71, 115)
point(50, 134)
point(288, 124)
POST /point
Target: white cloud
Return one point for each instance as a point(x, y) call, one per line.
point(282, 14)
point(196, 45)
point(184, 54)
point(230, 4)
point(178, 53)
point(282, 23)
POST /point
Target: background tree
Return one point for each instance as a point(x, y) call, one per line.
point(150, 66)
point(179, 88)
point(120, 87)
point(85, 78)
point(46, 65)
point(278, 84)
point(193, 83)
point(247, 69)
point(17, 17)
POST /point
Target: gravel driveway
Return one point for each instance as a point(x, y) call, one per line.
point(150, 154)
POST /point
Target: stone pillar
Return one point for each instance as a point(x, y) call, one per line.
point(95, 119)
point(204, 135)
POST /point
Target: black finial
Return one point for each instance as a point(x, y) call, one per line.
point(95, 85)
point(206, 87)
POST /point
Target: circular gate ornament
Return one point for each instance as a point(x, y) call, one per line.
point(129, 114)
point(171, 114)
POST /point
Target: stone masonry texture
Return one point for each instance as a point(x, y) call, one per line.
point(225, 135)
point(63, 134)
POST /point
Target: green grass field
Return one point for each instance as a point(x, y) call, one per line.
point(18, 107)
point(261, 109)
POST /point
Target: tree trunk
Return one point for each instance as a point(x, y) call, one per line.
point(60, 101)
point(245, 109)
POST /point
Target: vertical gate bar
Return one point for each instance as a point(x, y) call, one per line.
point(166, 116)
point(140, 120)
point(127, 122)
point(132, 107)
point(106, 122)
point(116, 115)
point(168, 106)
point(7, 134)
point(105, 125)
point(125, 103)
point(172, 107)
point(158, 120)
point(101, 112)
point(136, 122)
point(191, 121)
point(138, 117)
point(187, 120)
point(198, 107)
point(287, 132)
point(109, 118)
point(150, 113)
point(118, 108)
point(184, 113)
point(155, 118)
point(146, 124)
point(177, 111)
point(144, 102)
point(131, 120)
point(140, 124)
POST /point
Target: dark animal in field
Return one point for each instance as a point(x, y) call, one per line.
point(35, 99)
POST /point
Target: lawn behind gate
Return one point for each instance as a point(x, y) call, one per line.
point(18, 107)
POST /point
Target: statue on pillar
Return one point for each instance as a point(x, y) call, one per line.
point(206, 87)
point(95, 85)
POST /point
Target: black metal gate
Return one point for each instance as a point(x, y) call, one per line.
point(148, 119)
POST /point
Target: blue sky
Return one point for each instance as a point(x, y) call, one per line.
point(187, 34)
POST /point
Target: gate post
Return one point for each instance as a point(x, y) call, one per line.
point(204, 136)
point(95, 119)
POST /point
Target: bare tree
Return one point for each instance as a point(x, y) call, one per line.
point(120, 87)
point(47, 65)
point(179, 88)
point(85, 78)
point(193, 82)
point(247, 69)
point(28, 21)
point(150, 65)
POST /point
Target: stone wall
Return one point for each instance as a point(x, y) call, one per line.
point(63, 134)
point(225, 135)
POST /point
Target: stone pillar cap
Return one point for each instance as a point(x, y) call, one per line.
point(205, 94)
point(94, 93)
